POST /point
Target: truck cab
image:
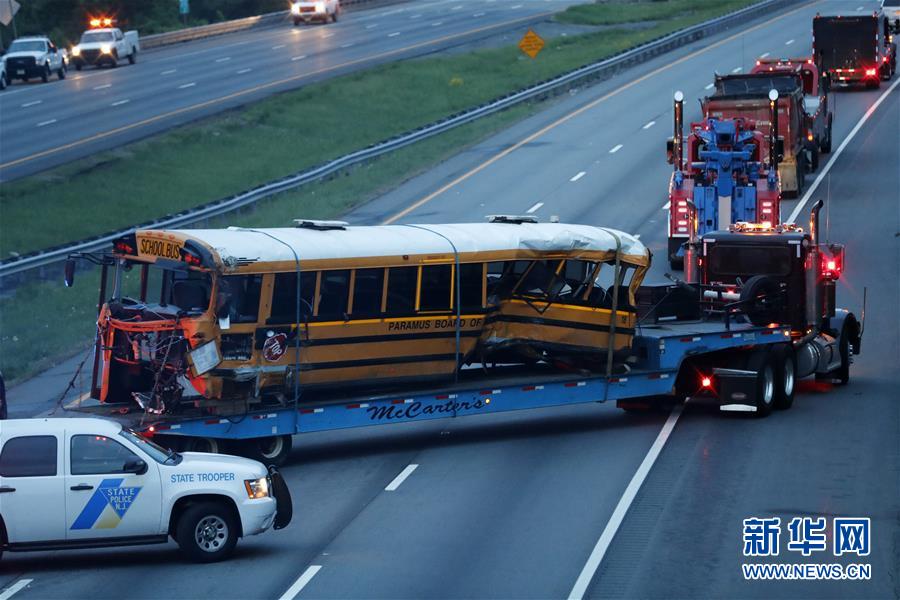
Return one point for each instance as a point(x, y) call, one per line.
point(86, 483)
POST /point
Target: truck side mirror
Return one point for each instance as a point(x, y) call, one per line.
point(135, 465)
point(70, 272)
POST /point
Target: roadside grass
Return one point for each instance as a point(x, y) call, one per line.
point(616, 12)
point(44, 323)
point(226, 154)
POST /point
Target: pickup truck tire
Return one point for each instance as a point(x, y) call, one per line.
point(3, 82)
point(132, 58)
point(761, 362)
point(61, 74)
point(206, 532)
point(45, 74)
point(78, 66)
point(785, 363)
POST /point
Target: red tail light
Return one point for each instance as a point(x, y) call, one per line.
point(870, 72)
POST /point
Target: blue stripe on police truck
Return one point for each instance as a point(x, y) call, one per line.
point(110, 494)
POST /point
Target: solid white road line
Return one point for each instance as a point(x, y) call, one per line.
point(616, 148)
point(120, 102)
point(710, 86)
point(577, 176)
point(44, 123)
point(535, 207)
point(298, 585)
point(764, 55)
point(609, 532)
point(395, 34)
point(242, 71)
point(666, 206)
point(187, 85)
point(169, 72)
point(649, 125)
point(737, 69)
point(32, 103)
point(14, 588)
point(837, 152)
point(301, 57)
point(789, 42)
point(400, 478)
point(103, 87)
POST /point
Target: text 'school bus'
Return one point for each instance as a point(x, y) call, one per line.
point(249, 315)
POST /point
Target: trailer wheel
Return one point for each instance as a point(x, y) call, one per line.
point(208, 445)
point(206, 532)
point(785, 375)
point(762, 363)
point(272, 450)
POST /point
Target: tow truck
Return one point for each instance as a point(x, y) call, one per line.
point(754, 312)
point(104, 44)
point(747, 96)
point(819, 115)
point(722, 175)
point(856, 48)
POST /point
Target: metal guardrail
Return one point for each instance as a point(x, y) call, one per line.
point(557, 84)
point(205, 31)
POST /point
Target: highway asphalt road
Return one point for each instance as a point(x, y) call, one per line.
point(512, 506)
point(44, 125)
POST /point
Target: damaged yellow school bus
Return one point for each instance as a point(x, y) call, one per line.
point(249, 315)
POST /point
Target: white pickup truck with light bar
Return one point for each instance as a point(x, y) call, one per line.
point(320, 10)
point(104, 44)
point(90, 483)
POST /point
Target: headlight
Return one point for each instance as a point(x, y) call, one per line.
point(76, 51)
point(257, 488)
point(105, 48)
point(295, 9)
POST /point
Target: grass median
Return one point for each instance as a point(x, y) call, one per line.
point(223, 155)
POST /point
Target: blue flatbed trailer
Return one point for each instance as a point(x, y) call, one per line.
point(660, 351)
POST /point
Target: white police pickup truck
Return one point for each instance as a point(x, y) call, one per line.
point(88, 483)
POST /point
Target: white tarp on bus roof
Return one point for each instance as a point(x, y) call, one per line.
point(274, 245)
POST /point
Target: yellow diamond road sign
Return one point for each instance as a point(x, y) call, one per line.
point(531, 43)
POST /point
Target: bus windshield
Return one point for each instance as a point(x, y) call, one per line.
point(176, 290)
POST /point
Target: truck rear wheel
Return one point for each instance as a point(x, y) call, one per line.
point(207, 532)
point(272, 450)
point(61, 73)
point(132, 58)
point(785, 363)
point(825, 147)
point(761, 362)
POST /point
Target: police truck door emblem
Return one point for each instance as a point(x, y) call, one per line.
point(107, 506)
point(274, 347)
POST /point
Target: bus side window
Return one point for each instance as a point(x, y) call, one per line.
point(284, 297)
point(242, 292)
point(502, 277)
point(367, 288)
point(401, 290)
point(577, 274)
point(471, 286)
point(334, 293)
point(436, 286)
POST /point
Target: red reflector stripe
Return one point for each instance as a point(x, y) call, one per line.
point(161, 427)
point(305, 411)
point(353, 406)
point(768, 332)
point(572, 384)
point(486, 392)
point(528, 388)
point(654, 375)
point(687, 339)
point(397, 401)
point(443, 397)
point(212, 422)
